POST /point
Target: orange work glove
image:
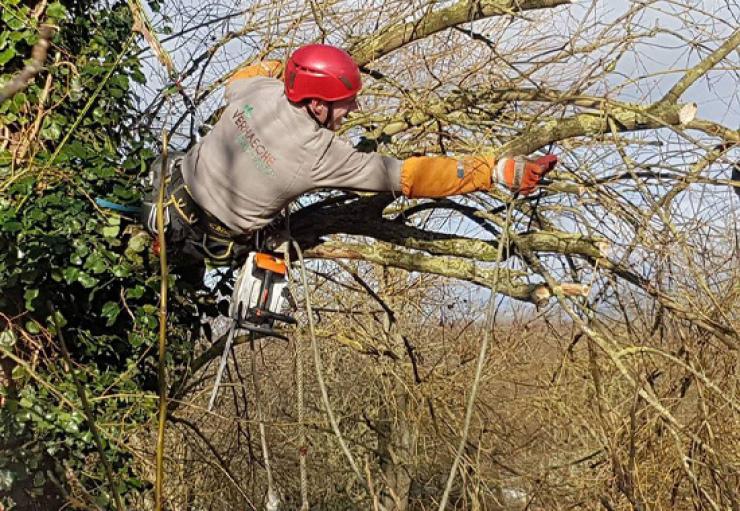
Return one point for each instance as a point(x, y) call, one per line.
point(521, 175)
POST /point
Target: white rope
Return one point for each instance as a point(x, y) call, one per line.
point(300, 404)
point(481, 359)
point(303, 447)
point(273, 499)
point(320, 374)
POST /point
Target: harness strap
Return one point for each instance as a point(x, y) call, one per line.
point(189, 210)
point(204, 232)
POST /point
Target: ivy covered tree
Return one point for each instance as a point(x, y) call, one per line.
point(68, 135)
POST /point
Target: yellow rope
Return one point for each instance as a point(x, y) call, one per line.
point(159, 478)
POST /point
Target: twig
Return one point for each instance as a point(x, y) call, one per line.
point(25, 145)
point(610, 349)
point(320, 376)
point(702, 68)
point(481, 360)
point(222, 465)
point(273, 498)
point(143, 26)
point(88, 411)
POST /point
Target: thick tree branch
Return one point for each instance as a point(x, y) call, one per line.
point(493, 98)
point(509, 282)
point(395, 36)
point(622, 117)
point(717, 130)
point(355, 220)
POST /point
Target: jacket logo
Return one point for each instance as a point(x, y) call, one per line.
point(250, 143)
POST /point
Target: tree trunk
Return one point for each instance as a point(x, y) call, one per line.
point(396, 444)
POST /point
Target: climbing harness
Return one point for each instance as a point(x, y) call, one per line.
point(256, 304)
point(187, 223)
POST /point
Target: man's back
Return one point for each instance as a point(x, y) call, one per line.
point(253, 161)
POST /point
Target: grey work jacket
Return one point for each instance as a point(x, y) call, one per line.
point(264, 152)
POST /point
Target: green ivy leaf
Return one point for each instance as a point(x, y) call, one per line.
point(136, 292)
point(51, 132)
point(95, 263)
point(86, 280)
point(13, 21)
point(71, 274)
point(19, 100)
point(121, 270)
point(56, 10)
point(138, 242)
point(57, 319)
point(110, 311)
point(7, 478)
point(111, 231)
point(68, 423)
point(12, 226)
point(6, 55)
point(39, 479)
point(18, 373)
point(30, 295)
point(32, 327)
point(7, 339)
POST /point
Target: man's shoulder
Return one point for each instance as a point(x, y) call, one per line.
point(266, 68)
point(259, 85)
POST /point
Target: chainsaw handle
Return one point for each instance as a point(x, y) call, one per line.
point(279, 317)
point(262, 330)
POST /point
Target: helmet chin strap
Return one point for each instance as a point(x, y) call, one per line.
point(329, 115)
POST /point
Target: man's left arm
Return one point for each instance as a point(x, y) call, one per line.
point(341, 166)
point(441, 176)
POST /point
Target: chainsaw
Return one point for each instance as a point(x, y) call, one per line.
point(259, 294)
point(257, 302)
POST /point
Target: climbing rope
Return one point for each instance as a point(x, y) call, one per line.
point(320, 375)
point(273, 498)
point(299, 375)
point(303, 449)
point(300, 404)
point(490, 310)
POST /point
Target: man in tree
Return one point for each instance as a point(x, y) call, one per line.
point(276, 140)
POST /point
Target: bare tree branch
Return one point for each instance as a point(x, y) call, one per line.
point(38, 57)
point(391, 38)
point(702, 68)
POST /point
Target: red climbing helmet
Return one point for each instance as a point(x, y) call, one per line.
point(323, 72)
